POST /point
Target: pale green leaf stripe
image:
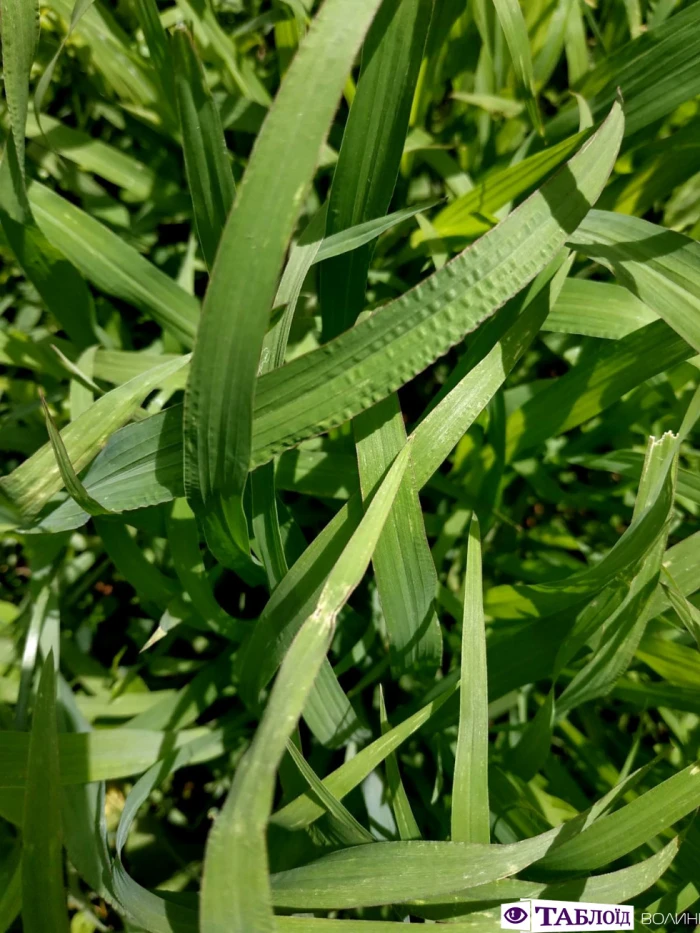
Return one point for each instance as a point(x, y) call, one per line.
point(470, 792)
point(19, 21)
point(236, 852)
point(219, 401)
point(31, 485)
point(655, 72)
point(321, 390)
point(597, 309)
point(112, 265)
point(515, 31)
point(613, 836)
point(660, 266)
point(395, 872)
point(499, 188)
point(209, 173)
point(43, 894)
point(433, 439)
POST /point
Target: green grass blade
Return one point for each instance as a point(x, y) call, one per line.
point(399, 340)
point(392, 872)
point(403, 814)
point(470, 793)
point(660, 266)
point(236, 858)
point(19, 21)
point(514, 29)
point(368, 163)
point(433, 439)
point(113, 265)
point(219, 407)
point(613, 836)
point(75, 488)
point(43, 893)
point(209, 173)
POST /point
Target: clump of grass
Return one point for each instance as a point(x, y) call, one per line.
point(349, 484)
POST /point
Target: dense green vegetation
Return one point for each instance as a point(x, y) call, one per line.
point(350, 455)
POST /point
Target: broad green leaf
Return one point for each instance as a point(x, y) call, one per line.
point(209, 173)
point(660, 266)
point(393, 872)
point(135, 178)
point(113, 265)
point(655, 73)
point(470, 794)
point(105, 754)
point(60, 286)
point(498, 188)
point(399, 340)
point(616, 887)
point(597, 309)
point(219, 409)
point(19, 22)
point(362, 188)
point(236, 848)
point(369, 158)
point(503, 342)
point(613, 836)
point(43, 893)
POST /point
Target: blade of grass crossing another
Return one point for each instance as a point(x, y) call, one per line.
point(505, 339)
point(43, 893)
point(236, 895)
point(470, 793)
point(219, 399)
point(399, 340)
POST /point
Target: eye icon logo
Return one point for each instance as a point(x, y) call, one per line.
point(515, 916)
